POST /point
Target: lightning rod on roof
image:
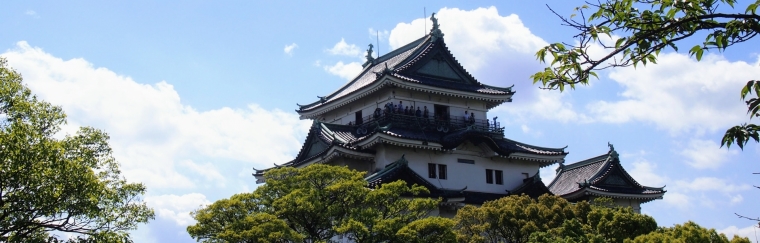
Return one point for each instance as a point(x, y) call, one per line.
point(378, 43)
point(424, 15)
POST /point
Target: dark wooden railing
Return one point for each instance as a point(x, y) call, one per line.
point(440, 123)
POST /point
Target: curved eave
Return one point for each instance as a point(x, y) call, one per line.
point(330, 154)
point(586, 191)
point(492, 99)
point(379, 137)
point(543, 160)
point(336, 152)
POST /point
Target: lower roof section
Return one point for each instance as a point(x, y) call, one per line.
point(601, 176)
point(325, 140)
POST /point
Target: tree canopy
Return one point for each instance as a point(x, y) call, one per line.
point(319, 203)
point(324, 203)
point(643, 29)
point(688, 232)
point(48, 184)
point(549, 219)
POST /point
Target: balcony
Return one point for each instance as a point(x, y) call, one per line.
point(440, 123)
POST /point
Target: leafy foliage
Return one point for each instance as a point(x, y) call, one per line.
point(688, 232)
point(318, 203)
point(643, 29)
point(47, 184)
point(549, 219)
point(432, 229)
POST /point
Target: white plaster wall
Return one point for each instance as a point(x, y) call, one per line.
point(460, 175)
point(633, 203)
point(354, 164)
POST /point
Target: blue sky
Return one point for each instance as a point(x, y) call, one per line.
point(196, 94)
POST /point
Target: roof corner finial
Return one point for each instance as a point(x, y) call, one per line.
point(435, 23)
point(435, 31)
point(561, 166)
point(370, 59)
point(369, 53)
point(612, 152)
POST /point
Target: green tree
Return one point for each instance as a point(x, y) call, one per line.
point(689, 232)
point(316, 203)
point(513, 218)
point(645, 28)
point(71, 184)
point(549, 219)
point(432, 229)
point(240, 219)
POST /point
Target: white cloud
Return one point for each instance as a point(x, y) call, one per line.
point(346, 71)
point(475, 36)
point(547, 174)
point(289, 48)
point(710, 184)
point(704, 154)
point(344, 49)
point(678, 200)
point(177, 208)
point(683, 194)
point(208, 171)
point(32, 13)
point(749, 231)
point(644, 171)
point(680, 94)
point(527, 130)
point(158, 140)
point(738, 198)
point(546, 105)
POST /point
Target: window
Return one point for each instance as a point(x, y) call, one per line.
point(441, 112)
point(442, 172)
point(359, 118)
point(466, 161)
point(499, 177)
point(497, 174)
point(437, 171)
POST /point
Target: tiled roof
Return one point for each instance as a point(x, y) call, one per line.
point(397, 62)
point(398, 170)
point(600, 174)
point(568, 179)
point(532, 186)
point(345, 136)
point(368, 75)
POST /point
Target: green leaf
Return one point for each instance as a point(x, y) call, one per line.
point(593, 74)
point(619, 42)
point(751, 9)
point(698, 51)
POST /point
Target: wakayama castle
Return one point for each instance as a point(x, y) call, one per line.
point(415, 114)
